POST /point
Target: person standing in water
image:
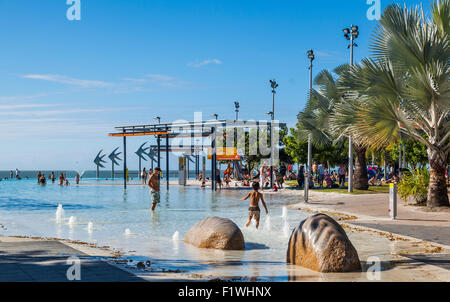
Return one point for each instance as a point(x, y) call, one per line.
point(153, 183)
point(253, 210)
point(262, 176)
point(61, 179)
point(77, 179)
point(144, 176)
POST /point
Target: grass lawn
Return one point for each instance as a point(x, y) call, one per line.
point(372, 190)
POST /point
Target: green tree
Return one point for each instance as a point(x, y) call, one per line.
point(404, 88)
point(314, 121)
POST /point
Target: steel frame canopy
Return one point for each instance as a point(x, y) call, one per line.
point(180, 130)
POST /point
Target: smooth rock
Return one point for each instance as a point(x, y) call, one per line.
point(216, 233)
point(321, 244)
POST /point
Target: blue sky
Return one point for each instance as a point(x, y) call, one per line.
point(65, 84)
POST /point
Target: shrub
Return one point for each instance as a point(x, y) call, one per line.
point(415, 184)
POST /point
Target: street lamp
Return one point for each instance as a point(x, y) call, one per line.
point(351, 34)
point(274, 86)
point(236, 106)
point(215, 115)
point(311, 57)
point(157, 118)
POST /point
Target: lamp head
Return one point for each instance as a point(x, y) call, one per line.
point(310, 54)
point(273, 84)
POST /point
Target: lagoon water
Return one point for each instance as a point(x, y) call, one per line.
point(108, 215)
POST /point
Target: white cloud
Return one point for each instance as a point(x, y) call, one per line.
point(158, 80)
point(23, 106)
point(205, 62)
point(67, 80)
point(60, 112)
point(16, 98)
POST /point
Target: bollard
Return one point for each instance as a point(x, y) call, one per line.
point(393, 200)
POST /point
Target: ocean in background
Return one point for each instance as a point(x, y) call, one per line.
point(32, 174)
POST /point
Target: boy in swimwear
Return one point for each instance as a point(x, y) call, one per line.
point(253, 210)
point(153, 183)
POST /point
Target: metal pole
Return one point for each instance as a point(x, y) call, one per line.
point(187, 166)
point(308, 167)
point(213, 159)
point(159, 151)
point(350, 140)
point(139, 174)
point(124, 162)
point(271, 138)
point(167, 157)
point(400, 156)
point(404, 157)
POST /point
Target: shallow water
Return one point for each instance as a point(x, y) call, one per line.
point(108, 215)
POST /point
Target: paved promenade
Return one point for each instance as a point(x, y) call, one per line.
point(24, 260)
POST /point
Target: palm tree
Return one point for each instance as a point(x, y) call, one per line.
point(404, 88)
point(315, 120)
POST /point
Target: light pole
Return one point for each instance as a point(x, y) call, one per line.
point(216, 116)
point(236, 106)
point(311, 58)
point(274, 85)
point(351, 34)
point(158, 140)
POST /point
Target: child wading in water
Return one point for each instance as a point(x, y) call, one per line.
point(253, 210)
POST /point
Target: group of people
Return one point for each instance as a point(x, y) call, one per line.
point(62, 179)
point(11, 175)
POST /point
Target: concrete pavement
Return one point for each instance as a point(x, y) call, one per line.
point(23, 260)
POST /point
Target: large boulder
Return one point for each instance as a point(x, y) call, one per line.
point(216, 233)
point(321, 244)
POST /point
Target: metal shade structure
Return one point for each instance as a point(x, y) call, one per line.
point(189, 131)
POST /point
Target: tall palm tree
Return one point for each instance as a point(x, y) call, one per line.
point(315, 120)
point(404, 88)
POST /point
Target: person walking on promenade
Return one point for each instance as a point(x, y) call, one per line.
point(301, 177)
point(321, 175)
point(342, 172)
